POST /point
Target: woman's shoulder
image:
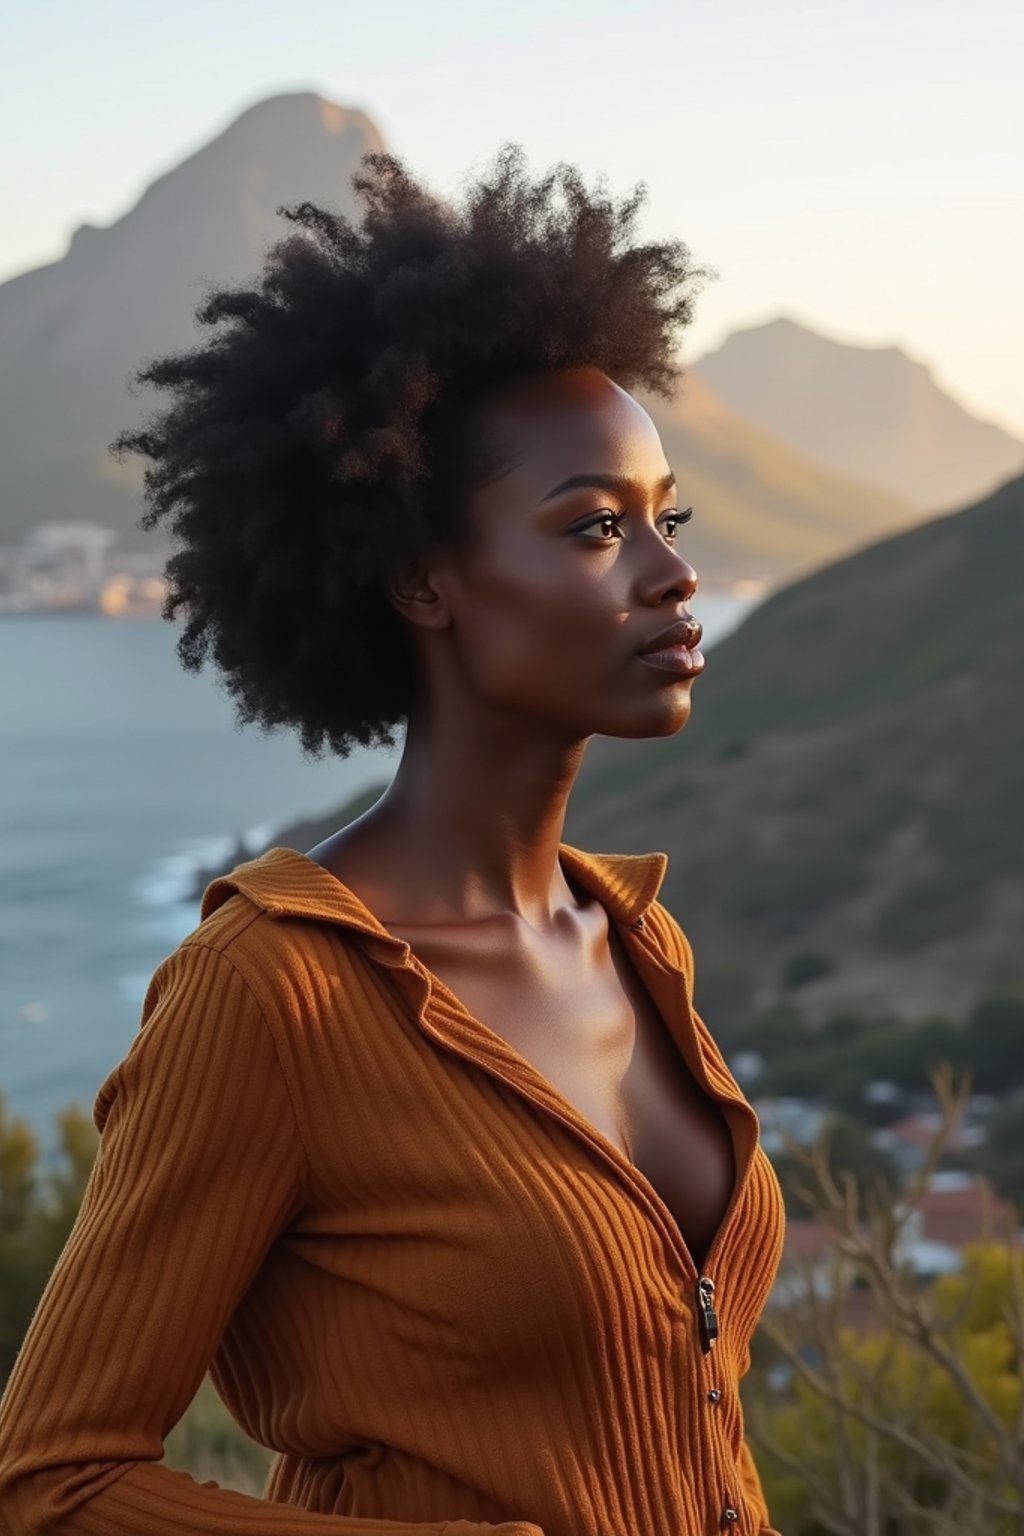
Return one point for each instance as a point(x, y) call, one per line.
point(303, 946)
point(254, 987)
point(271, 910)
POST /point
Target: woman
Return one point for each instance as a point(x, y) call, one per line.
point(421, 1148)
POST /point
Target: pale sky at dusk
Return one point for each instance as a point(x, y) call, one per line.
point(857, 166)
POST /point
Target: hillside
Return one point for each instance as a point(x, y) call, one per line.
point(871, 413)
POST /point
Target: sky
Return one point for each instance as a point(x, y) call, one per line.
point(855, 165)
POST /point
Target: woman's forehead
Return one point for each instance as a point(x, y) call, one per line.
point(579, 422)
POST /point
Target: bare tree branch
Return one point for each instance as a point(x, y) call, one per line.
point(961, 1489)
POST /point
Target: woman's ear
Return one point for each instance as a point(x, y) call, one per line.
point(414, 590)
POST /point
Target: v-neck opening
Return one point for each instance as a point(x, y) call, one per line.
point(570, 1113)
point(567, 1111)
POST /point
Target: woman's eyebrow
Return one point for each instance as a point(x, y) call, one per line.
point(615, 483)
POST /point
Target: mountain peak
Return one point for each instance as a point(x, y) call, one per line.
point(869, 413)
point(297, 111)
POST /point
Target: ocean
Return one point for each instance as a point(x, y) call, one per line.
point(120, 774)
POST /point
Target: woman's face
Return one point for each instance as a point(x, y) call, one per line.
point(560, 585)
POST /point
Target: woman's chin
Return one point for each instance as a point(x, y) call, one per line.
point(662, 717)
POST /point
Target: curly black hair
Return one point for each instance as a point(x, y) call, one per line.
point(331, 430)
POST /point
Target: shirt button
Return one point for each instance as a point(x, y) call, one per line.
point(729, 1516)
point(714, 1395)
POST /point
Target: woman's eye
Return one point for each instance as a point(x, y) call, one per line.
point(605, 522)
point(676, 518)
point(611, 520)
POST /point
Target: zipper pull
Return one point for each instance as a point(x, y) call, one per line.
point(707, 1316)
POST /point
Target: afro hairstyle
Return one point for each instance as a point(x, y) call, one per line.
point(329, 430)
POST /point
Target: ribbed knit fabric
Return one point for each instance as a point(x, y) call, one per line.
point(412, 1267)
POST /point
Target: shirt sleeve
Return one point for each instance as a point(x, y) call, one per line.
point(200, 1165)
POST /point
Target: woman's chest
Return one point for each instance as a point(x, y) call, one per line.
point(597, 1037)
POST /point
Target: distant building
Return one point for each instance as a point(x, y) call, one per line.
point(960, 1208)
point(956, 1209)
point(72, 549)
point(59, 565)
point(908, 1140)
point(786, 1117)
point(125, 594)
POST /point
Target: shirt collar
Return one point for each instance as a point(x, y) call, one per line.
point(287, 883)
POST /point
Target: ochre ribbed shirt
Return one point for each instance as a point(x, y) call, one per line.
point(412, 1267)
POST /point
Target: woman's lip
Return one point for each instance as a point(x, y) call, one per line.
point(675, 658)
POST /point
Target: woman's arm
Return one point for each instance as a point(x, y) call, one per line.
point(753, 1491)
point(200, 1165)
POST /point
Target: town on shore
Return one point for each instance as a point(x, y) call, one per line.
point(77, 567)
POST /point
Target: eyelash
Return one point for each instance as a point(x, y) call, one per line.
point(616, 518)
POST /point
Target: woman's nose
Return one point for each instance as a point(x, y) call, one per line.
point(673, 574)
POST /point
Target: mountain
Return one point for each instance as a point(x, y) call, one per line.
point(871, 413)
point(849, 787)
point(74, 331)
